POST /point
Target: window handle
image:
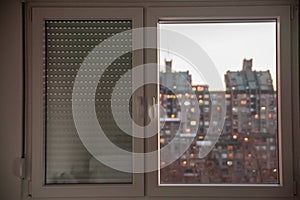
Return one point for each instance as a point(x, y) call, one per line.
point(154, 107)
point(140, 108)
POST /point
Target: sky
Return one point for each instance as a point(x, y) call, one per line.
point(226, 44)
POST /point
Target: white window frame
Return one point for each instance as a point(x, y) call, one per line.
point(32, 185)
point(36, 103)
point(285, 134)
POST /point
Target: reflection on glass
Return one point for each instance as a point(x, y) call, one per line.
point(68, 43)
point(246, 152)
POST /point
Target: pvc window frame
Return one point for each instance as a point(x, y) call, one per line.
point(36, 103)
point(284, 75)
point(155, 11)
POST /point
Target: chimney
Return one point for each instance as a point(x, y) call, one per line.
point(247, 64)
point(168, 64)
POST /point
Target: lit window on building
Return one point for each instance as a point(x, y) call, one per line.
point(243, 102)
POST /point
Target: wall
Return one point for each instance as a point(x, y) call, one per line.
point(11, 97)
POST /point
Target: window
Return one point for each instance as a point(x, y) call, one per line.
point(216, 172)
point(69, 55)
point(230, 136)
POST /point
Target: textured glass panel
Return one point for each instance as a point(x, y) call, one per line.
point(239, 114)
point(67, 44)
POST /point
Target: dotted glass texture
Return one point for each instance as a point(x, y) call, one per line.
point(67, 45)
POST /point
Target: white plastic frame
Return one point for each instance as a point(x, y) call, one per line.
point(35, 115)
point(284, 76)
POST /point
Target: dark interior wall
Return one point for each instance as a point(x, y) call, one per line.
point(11, 97)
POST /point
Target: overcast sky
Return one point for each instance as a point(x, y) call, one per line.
point(227, 44)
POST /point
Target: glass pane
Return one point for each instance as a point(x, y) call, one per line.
point(68, 45)
point(236, 118)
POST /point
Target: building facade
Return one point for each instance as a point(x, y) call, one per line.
point(244, 115)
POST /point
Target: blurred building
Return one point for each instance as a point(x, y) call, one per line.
point(252, 113)
point(245, 115)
